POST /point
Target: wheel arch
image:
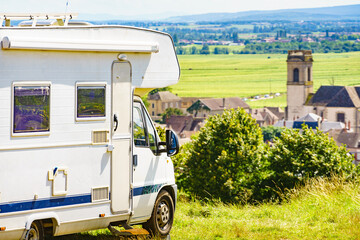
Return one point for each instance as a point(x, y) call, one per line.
point(44, 218)
point(172, 190)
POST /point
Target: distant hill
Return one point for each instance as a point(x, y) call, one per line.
point(348, 12)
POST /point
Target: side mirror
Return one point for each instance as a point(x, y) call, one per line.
point(172, 143)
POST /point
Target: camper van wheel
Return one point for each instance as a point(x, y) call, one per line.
point(36, 231)
point(162, 216)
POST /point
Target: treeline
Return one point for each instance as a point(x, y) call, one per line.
point(205, 50)
point(316, 47)
point(275, 48)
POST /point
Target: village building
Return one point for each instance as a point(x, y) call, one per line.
point(349, 139)
point(334, 103)
point(185, 126)
point(279, 112)
point(264, 117)
point(186, 102)
point(312, 121)
point(160, 101)
point(207, 107)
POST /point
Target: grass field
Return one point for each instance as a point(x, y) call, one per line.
point(321, 210)
point(250, 75)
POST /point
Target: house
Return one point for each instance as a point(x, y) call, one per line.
point(279, 113)
point(205, 107)
point(350, 139)
point(186, 102)
point(312, 121)
point(264, 117)
point(185, 126)
point(160, 101)
point(334, 103)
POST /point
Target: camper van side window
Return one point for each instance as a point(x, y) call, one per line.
point(31, 109)
point(90, 101)
point(151, 132)
point(138, 125)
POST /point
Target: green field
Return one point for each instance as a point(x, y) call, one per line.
point(250, 75)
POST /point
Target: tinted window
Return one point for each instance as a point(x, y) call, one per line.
point(90, 101)
point(31, 109)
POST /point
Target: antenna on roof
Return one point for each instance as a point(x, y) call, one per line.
point(66, 7)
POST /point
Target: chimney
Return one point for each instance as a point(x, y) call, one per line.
point(349, 126)
point(224, 103)
point(284, 123)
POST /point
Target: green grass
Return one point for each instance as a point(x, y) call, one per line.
point(272, 102)
point(321, 210)
point(250, 75)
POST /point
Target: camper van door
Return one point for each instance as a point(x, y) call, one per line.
point(121, 166)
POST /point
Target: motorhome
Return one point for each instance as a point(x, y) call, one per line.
point(78, 150)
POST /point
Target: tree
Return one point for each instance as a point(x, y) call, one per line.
point(297, 156)
point(224, 160)
point(235, 37)
point(205, 49)
point(160, 90)
point(180, 50)
point(175, 38)
point(270, 132)
point(193, 50)
point(171, 112)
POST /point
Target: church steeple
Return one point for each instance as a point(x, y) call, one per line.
point(299, 82)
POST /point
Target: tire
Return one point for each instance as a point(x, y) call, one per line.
point(36, 231)
point(162, 216)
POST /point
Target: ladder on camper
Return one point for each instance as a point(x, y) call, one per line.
point(61, 18)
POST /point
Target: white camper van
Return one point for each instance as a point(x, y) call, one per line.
point(78, 150)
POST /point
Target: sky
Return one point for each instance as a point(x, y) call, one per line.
point(158, 8)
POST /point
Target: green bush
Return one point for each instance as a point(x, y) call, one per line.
point(229, 161)
point(223, 162)
point(270, 132)
point(298, 155)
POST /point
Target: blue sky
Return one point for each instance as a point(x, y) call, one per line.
point(160, 8)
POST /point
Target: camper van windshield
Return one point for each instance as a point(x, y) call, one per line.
point(31, 109)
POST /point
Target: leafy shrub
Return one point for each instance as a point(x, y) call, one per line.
point(223, 162)
point(270, 132)
point(297, 156)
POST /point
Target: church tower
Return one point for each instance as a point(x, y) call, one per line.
point(299, 82)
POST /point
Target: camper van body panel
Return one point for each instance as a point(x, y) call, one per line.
point(64, 170)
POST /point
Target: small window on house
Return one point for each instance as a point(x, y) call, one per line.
point(340, 117)
point(31, 109)
point(309, 74)
point(153, 105)
point(153, 113)
point(296, 75)
point(90, 101)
